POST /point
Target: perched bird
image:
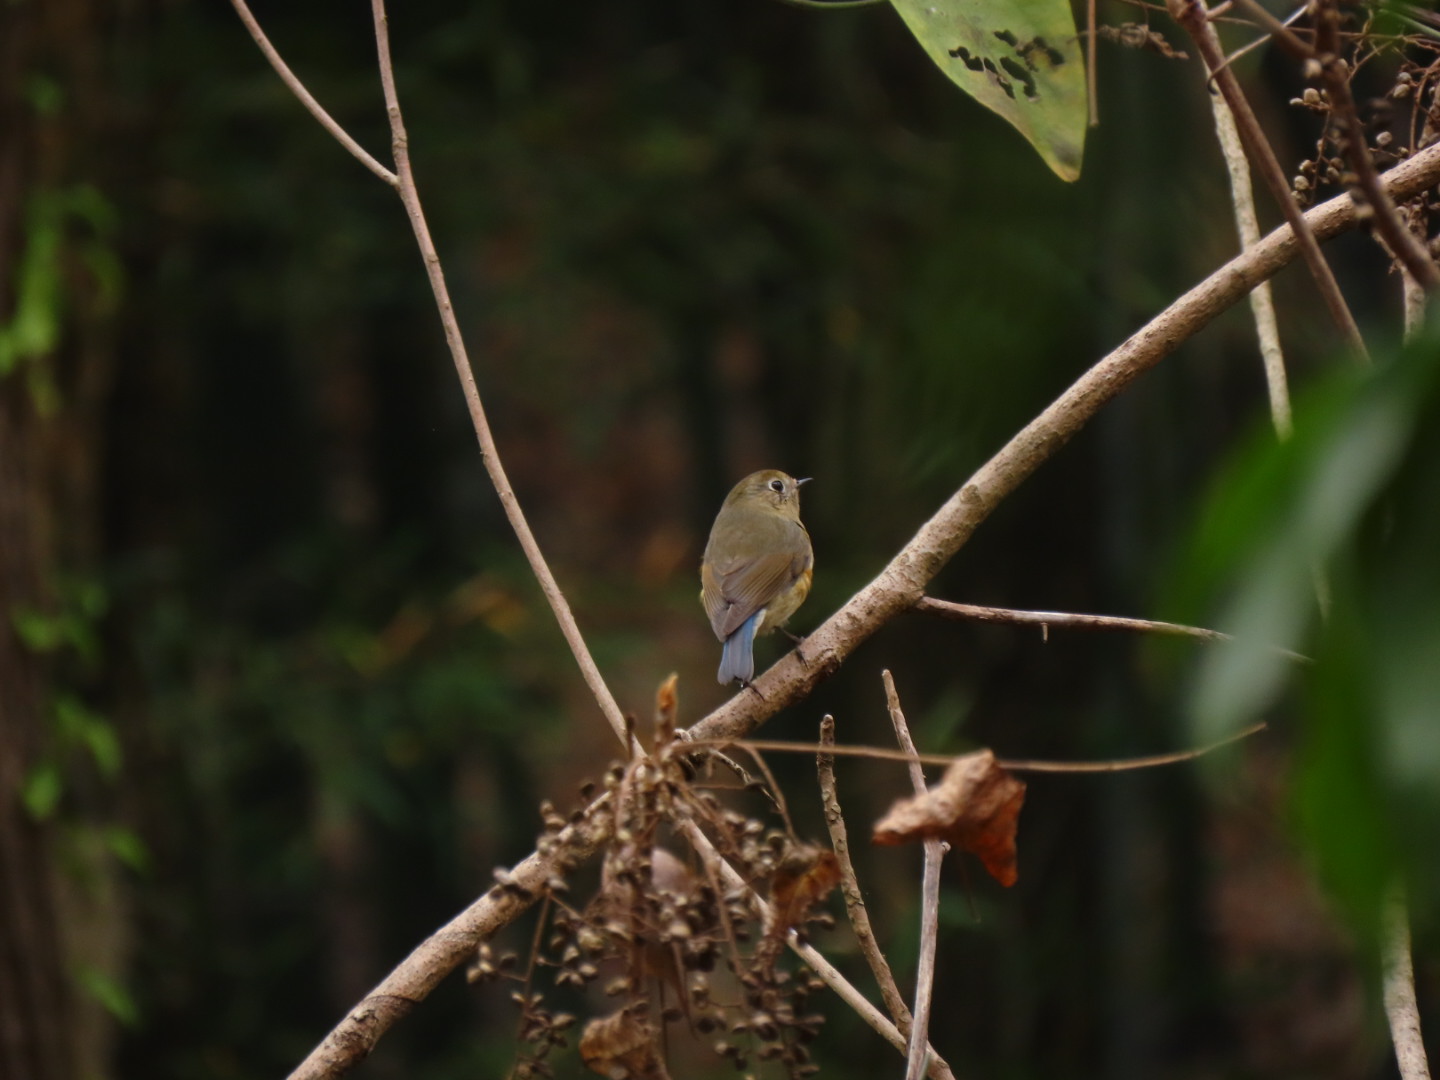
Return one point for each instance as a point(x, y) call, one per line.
point(756, 568)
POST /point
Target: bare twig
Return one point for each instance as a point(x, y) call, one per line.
point(814, 959)
point(1400, 1005)
point(979, 613)
point(929, 897)
point(1127, 764)
point(850, 884)
point(880, 753)
point(1191, 15)
point(1262, 302)
point(489, 454)
point(297, 88)
point(1074, 620)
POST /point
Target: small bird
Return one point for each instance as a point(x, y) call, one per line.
point(757, 567)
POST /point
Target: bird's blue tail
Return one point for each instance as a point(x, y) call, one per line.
point(738, 659)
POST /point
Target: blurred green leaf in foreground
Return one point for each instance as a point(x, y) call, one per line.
point(1329, 545)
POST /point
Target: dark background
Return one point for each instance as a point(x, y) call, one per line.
point(300, 695)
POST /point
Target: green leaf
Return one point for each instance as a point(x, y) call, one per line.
point(126, 846)
point(41, 633)
point(1349, 509)
point(1278, 518)
point(1340, 797)
point(1019, 58)
point(80, 724)
point(41, 792)
point(117, 1000)
point(34, 328)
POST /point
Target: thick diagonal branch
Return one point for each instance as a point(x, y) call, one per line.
point(901, 584)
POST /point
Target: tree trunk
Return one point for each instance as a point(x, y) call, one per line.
point(52, 384)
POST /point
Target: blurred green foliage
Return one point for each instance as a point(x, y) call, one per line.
point(1326, 545)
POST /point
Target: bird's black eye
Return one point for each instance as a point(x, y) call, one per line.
point(777, 485)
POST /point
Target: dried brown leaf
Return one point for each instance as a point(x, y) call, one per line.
point(805, 878)
point(667, 705)
point(976, 806)
point(622, 1046)
point(1139, 36)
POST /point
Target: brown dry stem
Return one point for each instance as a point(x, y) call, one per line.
point(929, 896)
point(850, 884)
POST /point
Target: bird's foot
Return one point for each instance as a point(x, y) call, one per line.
point(799, 641)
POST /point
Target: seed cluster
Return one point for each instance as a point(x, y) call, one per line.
point(668, 940)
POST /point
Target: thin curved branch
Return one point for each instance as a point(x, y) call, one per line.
point(291, 80)
point(979, 613)
point(902, 583)
point(489, 454)
point(403, 181)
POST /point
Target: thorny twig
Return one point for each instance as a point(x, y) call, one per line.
point(1074, 620)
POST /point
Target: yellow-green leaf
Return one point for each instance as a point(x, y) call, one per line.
point(1020, 58)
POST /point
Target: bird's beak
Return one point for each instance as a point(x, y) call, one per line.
point(807, 479)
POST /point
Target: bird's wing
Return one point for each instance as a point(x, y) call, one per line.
point(735, 589)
